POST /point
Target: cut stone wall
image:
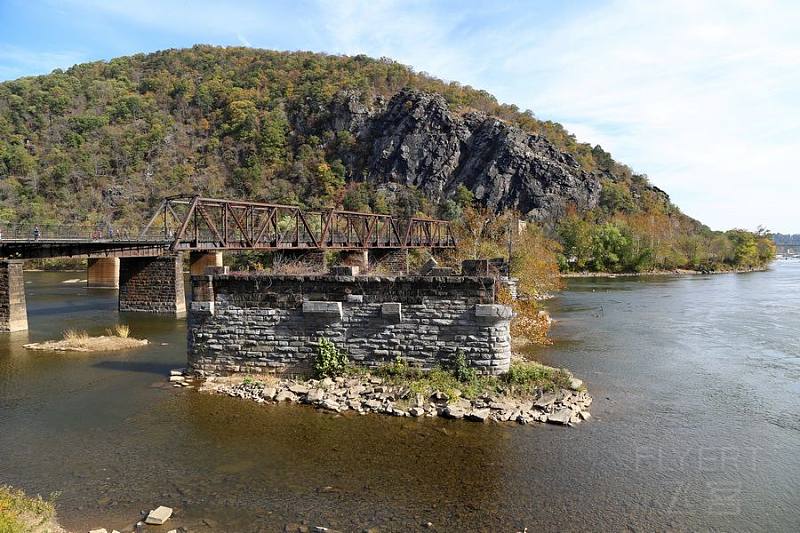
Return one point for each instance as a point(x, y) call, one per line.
point(13, 311)
point(152, 284)
point(248, 322)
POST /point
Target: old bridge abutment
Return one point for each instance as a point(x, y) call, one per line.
point(13, 312)
point(256, 322)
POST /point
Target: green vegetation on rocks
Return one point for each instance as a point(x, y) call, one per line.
point(330, 361)
point(524, 378)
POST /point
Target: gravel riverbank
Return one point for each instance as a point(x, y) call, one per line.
point(372, 394)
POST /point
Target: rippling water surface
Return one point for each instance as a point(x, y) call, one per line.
point(696, 426)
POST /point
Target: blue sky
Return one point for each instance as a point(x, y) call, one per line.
point(704, 97)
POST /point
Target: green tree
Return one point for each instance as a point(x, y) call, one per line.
point(745, 252)
point(577, 240)
point(463, 196)
point(609, 248)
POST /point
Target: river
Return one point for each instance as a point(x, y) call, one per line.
point(696, 426)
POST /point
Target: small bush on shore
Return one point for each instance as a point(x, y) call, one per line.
point(461, 369)
point(19, 513)
point(398, 367)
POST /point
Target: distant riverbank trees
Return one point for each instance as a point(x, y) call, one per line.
point(645, 242)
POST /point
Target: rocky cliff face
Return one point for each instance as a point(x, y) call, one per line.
point(416, 140)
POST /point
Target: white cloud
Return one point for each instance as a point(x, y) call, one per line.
point(409, 32)
point(701, 96)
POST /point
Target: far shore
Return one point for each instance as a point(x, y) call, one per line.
point(676, 272)
point(585, 274)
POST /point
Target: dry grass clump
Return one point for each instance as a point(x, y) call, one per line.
point(75, 337)
point(295, 268)
point(122, 331)
point(116, 338)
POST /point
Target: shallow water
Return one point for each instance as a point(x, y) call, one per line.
point(696, 426)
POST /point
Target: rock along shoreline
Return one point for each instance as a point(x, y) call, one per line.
point(372, 394)
point(676, 272)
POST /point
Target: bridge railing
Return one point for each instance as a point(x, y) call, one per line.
point(31, 232)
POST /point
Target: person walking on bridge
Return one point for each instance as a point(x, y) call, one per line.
point(36, 233)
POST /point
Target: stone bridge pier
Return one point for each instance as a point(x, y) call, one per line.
point(102, 273)
point(199, 261)
point(152, 284)
point(13, 311)
point(357, 258)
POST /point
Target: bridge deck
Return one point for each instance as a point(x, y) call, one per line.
point(193, 223)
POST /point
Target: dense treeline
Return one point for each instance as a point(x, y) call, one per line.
point(647, 241)
point(109, 138)
point(101, 143)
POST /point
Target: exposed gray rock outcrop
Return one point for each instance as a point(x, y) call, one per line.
point(417, 140)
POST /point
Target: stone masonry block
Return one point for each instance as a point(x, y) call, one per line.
point(323, 309)
point(344, 270)
point(392, 310)
point(493, 311)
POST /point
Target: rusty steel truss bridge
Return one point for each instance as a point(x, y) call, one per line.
point(194, 223)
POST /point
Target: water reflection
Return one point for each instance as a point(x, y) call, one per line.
point(695, 426)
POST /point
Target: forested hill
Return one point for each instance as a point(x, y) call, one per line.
point(103, 142)
point(311, 129)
